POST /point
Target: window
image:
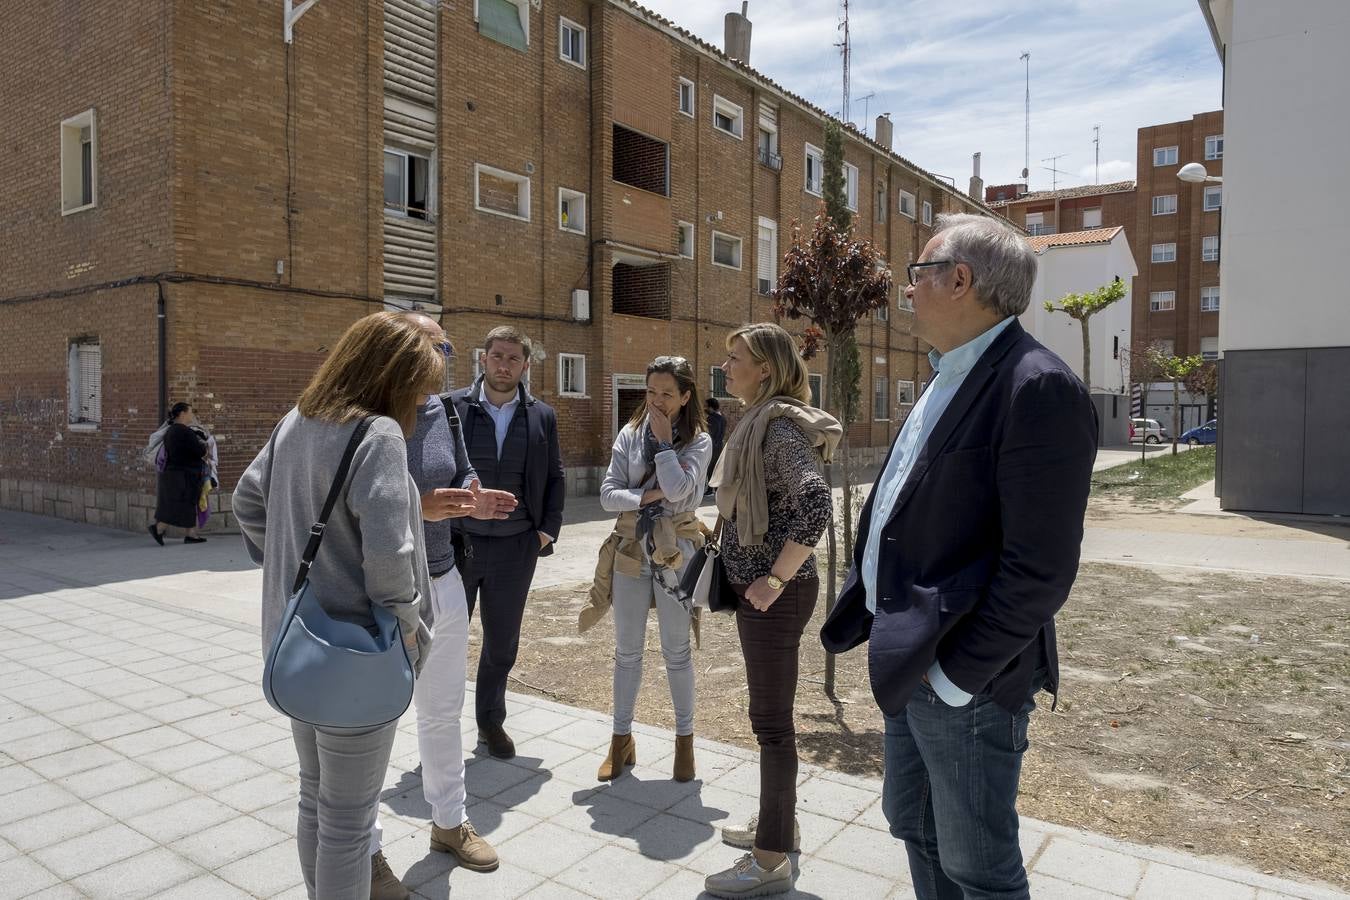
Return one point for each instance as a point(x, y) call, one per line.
point(86, 382)
point(728, 117)
point(571, 210)
point(641, 161)
point(1165, 205)
point(501, 193)
point(726, 250)
point(505, 21)
point(851, 186)
point(927, 213)
point(817, 384)
point(881, 402)
point(904, 393)
point(1164, 156)
point(814, 162)
point(687, 97)
point(1165, 346)
point(907, 206)
point(768, 148)
point(1115, 346)
point(1209, 248)
point(766, 256)
point(1162, 301)
point(1213, 197)
point(880, 203)
point(1036, 224)
point(407, 179)
point(1092, 218)
point(882, 313)
point(717, 386)
point(684, 239)
point(1214, 146)
point(1209, 348)
point(1164, 253)
point(571, 375)
point(79, 163)
point(1209, 299)
point(641, 288)
point(571, 42)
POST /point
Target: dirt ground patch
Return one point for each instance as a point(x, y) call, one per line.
point(1202, 712)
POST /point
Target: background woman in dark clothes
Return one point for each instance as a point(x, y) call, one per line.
point(180, 484)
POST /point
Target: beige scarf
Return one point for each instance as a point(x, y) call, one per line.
point(739, 477)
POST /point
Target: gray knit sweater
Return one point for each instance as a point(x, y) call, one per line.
point(373, 550)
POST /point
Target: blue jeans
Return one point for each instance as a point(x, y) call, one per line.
point(950, 794)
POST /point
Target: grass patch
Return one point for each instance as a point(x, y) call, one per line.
point(1164, 477)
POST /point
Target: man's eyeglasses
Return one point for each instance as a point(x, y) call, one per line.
point(447, 349)
point(914, 270)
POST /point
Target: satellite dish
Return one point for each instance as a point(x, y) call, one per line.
point(1024, 173)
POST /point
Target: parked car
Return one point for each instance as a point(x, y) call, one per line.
point(1207, 433)
point(1150, 431)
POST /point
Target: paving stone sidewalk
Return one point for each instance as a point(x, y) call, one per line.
point(138, 759)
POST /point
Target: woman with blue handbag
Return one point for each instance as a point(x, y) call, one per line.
point(331, 491)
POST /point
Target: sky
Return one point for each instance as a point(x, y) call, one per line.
point(950, 75)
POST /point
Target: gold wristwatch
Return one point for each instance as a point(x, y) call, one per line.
point(774, 581)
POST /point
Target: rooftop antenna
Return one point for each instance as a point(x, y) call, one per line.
point(864, 98)
point(1096, 154)
point(1054, 172)
point(1026, 167)
point(845, 49)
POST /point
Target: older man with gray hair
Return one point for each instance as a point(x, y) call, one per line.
point(968, 546)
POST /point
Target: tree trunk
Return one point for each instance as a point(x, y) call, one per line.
point(832, 402)
point(1087, 354)
point(1176, 413)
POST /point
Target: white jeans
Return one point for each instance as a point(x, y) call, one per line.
point(439, 698)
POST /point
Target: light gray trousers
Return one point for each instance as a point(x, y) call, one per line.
point(340, 780)
point(632, 598)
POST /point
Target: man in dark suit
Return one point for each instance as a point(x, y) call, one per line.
point(512, 441)
point(966, 549)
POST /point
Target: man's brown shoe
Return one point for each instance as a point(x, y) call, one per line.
point(465, 844)
point(622, 752)
point(499, 743)
point(384, 884)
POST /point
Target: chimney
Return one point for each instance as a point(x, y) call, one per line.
point(885, 131)
point(736, 36)
point(976, 182)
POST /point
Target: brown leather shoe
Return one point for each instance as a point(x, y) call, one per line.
point(384, 884)
point(684, 757)
point(622, 752)
point(499, 743)
point(466, 846)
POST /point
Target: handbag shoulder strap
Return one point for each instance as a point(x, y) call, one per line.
point(452, 419)
point(316, 533)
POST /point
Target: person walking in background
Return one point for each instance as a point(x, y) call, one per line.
point(775, 505)
point(210, 474)
point(373, 552)
point(717, 429)
point(178, 486)
point(655, 482)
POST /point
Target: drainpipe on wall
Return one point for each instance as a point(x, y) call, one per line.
point(161, 318)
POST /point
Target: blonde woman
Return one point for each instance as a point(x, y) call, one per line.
point(776, 506)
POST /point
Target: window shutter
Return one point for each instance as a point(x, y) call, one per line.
point(90, 374)
point(500, 20)
point(766, 262)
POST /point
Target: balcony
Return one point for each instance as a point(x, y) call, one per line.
point(1035, 230)
point(768, 158)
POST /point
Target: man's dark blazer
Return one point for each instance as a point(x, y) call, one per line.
point(544, 485)
point(982, 545)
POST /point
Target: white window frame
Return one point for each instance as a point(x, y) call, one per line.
point(693, 96)
point(904, 387)
point(1209, 298)
point(402, 209)
point(681, 245)
point(572, 196)
point(1162, 301)
point(522, 7)
point(72, 163)
point(740, 250)
point(1209, 248)
point(927, 213)
point(76, 388)
point(1209, 355)
point(564, 24)
point(732, 111)
point(819, 381)
point(1214, 146)
point(579, 359)
point(772, 263)
point(1092, 209)
point(813, 152)
point(882, 313)
point(883, 382)
point(851, 187)
point(1168, 155)
point(522, 197)
point(1215, 191)
point(1162, 209)
point(913, 205)
point(1164, 253)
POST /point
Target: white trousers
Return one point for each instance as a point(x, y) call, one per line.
point(438, 696)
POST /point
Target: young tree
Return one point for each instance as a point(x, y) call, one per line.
point(1175, 370)
point(1083, 307)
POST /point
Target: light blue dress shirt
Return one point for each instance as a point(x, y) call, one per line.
point(501, 415)
point(950, 370)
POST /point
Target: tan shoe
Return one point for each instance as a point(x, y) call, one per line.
point(384, 884)
point(622, 752)
point(684, 757)
point(745, 837)
point(747, 879)
point(465, 844)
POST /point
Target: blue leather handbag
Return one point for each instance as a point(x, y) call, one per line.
point(327, 672)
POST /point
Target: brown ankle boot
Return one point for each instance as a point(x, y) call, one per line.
point(622, 752)
point(684, 757)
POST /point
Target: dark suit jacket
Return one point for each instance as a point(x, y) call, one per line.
point(982, 544)
point(544, 485)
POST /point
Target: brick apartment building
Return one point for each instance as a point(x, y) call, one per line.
point(221, 204)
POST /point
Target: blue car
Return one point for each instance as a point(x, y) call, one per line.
point(1207, 433)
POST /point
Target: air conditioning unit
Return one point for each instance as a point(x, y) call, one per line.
point(581, 305)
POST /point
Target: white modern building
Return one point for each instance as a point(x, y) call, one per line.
point(1284, 338)
point(1076, 262)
